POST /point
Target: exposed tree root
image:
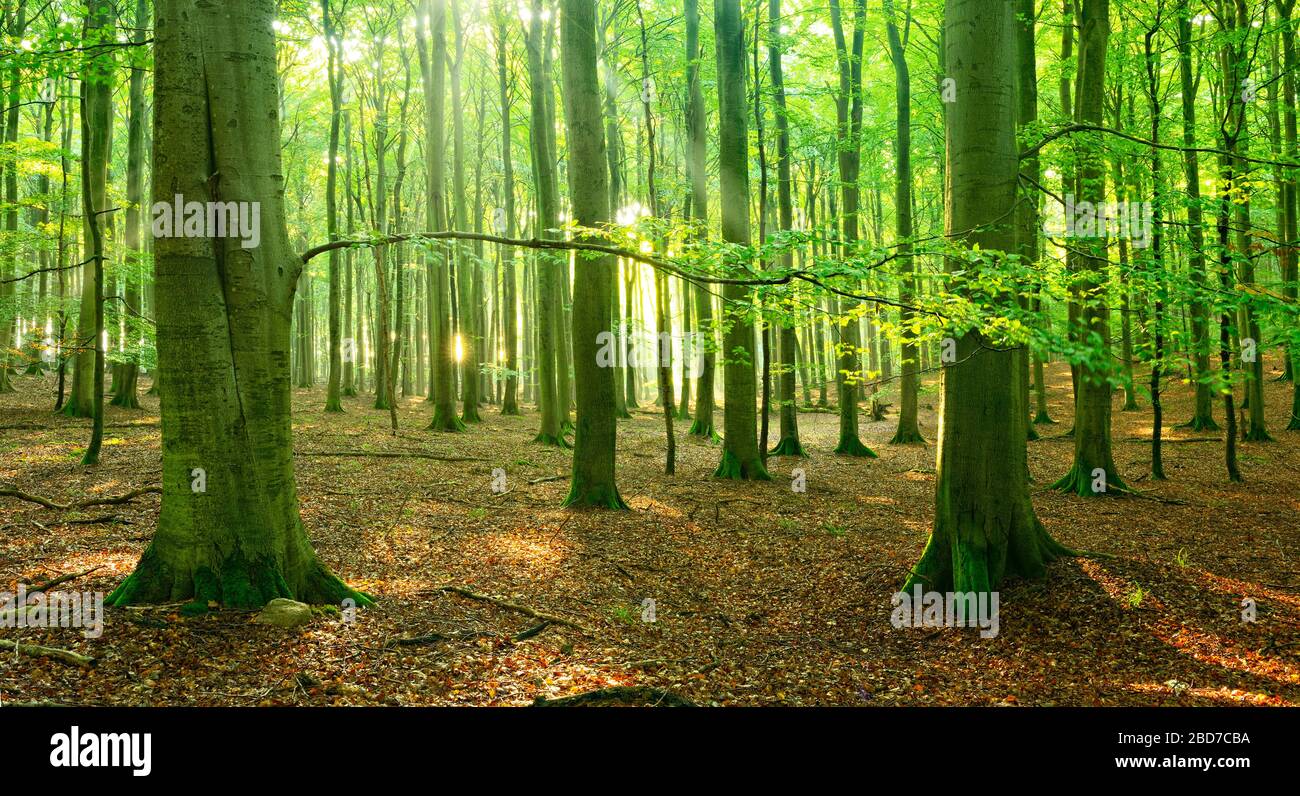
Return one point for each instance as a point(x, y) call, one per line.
point(604, 498)
point(1078, 482)
point(733, 468)
point(852, 446)
point(449, 423)
point(434, 638)
point(910, 437)
point(702, 429)
point(80, 504)
point(1200, 424)
point(509, 606)
point(59, 581)
point(788, 446)
point(554, 441)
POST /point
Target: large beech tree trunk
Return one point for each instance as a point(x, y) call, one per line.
point(1093, 456)
point(740, 453)
point(223, 327)
point(984, 524)
point(595, 431)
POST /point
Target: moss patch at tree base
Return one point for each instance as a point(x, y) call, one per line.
point(448, 422)
point(702, 429)
point(733, 468)
point(1079, 482)
point(1200, 423)
point(852, 446)
point(240, 584)
point(599, 497)
point(552, 440)
point(910, 437)
point(788, 446)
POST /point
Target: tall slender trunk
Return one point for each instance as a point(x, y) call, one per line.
point(909, 385)
point(1203, 413)
point(548, 265)
point(333, 390)
point(96, 124)
point(788, 444)
point(741, 457)
point(1093, 471)
point(431, 39)
point(696, 134)
point(848, 109)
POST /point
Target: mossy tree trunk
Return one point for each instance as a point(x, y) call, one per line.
point(1203, 413)
point(595, 431)
point(1027, 212)
point(88, 341)
point(696, 124)
point(984, 526)
point(96, 127)
point(1093, 471)
point(548, 265)
point(908, 431)
point(333, 399)
point(788, 443)
point(466, 262)
point(431, 39)
point(848, 109)
point(509, 301)
point(741, 458)
point(222, 317)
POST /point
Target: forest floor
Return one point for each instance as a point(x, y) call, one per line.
point(762, 595)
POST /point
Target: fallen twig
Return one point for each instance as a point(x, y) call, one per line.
point(98, 520)
point(59, 581)
point(509, 606)
point(35, 650)
point(80, 504)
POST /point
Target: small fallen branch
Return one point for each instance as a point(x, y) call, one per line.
point(549, 478)
point(59, 581)
point(80, 504)
point(37, 651)
point(107, 518)
point(434, 638)
point(509, 606)
point(626, 694)
point(119, 499)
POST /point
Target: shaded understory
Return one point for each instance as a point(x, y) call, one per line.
point(762, 595)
